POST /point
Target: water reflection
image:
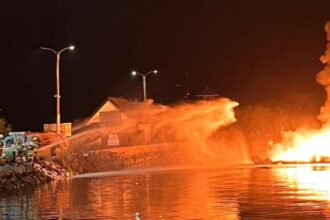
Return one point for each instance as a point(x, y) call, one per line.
point(271, 195)
point(237, 193)
point(313, 182)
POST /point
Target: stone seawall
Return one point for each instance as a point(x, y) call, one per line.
point(83, 161)
point(15, 176)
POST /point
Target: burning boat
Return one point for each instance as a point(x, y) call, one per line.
point(260, 159)
point(306, 145)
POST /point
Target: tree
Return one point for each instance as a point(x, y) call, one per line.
point(5, 128)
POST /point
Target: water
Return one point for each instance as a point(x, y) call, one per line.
point(237, 192)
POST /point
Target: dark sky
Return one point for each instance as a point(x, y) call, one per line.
point(250, 51)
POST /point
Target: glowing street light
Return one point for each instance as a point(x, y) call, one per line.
point(57, 96)
point(144, 77)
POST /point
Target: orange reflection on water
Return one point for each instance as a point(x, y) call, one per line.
point(169, 196)
point(312, 182)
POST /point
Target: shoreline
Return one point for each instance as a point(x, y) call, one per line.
point(16, 176)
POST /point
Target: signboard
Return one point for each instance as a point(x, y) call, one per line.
point(65, 128)
point(113, 140)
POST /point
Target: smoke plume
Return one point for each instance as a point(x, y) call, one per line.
point(323, 78)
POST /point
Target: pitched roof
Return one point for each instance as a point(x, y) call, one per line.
point(118, 102)
point(207, 92)
point(109, 104)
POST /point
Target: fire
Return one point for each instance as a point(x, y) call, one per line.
point(307, 145)
point(303, 146)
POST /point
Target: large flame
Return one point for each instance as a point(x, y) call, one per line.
point(306, 145)
point(303, 146)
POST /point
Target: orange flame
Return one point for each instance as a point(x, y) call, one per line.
point(303, 146)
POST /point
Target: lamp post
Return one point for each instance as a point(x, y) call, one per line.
point(144, 78)
point(57, 96)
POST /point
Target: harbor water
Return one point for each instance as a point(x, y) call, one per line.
point(234, 192)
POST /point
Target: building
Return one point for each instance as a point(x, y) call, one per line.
point(117, 123)
point(110, 111)
point(208, 94)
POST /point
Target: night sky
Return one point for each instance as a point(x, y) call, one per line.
point(250, 51)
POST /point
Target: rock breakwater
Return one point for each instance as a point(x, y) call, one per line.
point(15, 176)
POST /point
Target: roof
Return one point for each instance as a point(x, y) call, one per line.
point(207, 92)
point(109, 104)
point(118, 102)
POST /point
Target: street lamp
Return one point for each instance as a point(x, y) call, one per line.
point(57, 96)
point(144, 77)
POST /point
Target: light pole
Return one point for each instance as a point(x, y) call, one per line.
point(144, 77)
point(57, 96)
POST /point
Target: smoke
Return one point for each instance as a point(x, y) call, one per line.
point(327, 29)
point(323, 78)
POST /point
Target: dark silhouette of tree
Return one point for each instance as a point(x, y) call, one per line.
point(5, 128)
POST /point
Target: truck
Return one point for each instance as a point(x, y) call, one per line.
point(19, 147)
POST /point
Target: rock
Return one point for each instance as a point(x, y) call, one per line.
point(14, 176)
point(13, 179)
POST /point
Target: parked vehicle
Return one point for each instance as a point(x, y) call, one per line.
point(19, 147)
point(1, 145)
